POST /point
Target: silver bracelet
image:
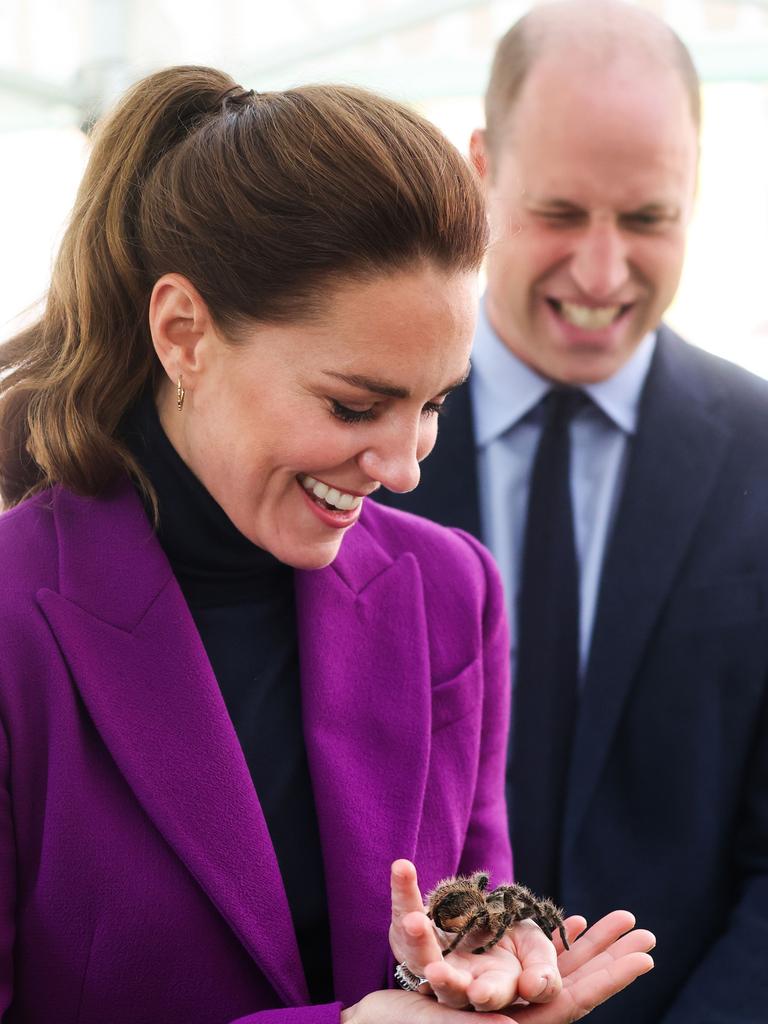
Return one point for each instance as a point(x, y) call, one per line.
point(406, 979)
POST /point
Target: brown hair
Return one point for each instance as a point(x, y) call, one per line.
point(261, 200)
point(604, 28)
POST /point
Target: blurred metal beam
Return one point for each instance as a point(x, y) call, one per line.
point(368, 30)
point(430, 78)
point(105, 70)
point(44, 92)
point(103, 74)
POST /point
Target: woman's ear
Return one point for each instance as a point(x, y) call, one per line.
point(181, 328)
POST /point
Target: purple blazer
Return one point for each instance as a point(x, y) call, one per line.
point(137, 878)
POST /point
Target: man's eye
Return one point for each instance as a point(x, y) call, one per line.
point(644, 221)
point(347, 415)
point(563, 217)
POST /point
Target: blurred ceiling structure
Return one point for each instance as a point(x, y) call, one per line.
point(63, 61)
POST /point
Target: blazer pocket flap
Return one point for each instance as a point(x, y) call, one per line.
point(457, 697)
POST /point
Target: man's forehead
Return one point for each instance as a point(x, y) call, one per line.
point(562, 89)
point(560, 123)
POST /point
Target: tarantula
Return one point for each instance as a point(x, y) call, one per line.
point(463, 905)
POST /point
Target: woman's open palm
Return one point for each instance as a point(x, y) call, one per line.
point(560, 985)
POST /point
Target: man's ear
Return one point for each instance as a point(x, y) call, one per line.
point(478, 153)
point(180, 324)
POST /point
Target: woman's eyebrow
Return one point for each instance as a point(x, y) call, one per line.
point(382, 387)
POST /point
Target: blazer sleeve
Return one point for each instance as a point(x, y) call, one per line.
point(730, 982)
point(327, 1013)
point(7, 879)
point(487, 841)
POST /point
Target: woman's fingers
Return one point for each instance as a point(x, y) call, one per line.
point(540, 978)
point(449, 983)
point(495, 989)
point(639, 941)
point(456, 986)
point(406, 897)
point(574, 926)
point(596, 939)
point(596, 983)
point(595, 986)
point(411, 934)
point(396, 1007)
point(522, 964)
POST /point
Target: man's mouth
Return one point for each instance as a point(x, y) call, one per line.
point(329, 497)
point(588, 318)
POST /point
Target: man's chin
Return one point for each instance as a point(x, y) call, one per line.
point(587, 365)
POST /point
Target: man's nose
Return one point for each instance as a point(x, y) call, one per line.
point(599, 264)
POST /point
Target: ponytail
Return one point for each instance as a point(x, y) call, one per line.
point(67, 380)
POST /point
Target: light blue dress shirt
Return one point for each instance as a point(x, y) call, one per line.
point(508, 422)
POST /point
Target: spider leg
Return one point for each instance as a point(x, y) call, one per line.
point(492, 942)
point(548, 917)
point(468, 926)
point(546, 927)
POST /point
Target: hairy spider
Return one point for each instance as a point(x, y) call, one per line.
point(464, 904)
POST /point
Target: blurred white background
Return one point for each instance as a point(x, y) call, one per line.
point(63, 61)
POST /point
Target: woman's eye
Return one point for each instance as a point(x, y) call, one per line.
point(433, 409)
point(347, 415)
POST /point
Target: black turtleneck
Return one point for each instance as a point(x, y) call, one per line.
point(242, 601)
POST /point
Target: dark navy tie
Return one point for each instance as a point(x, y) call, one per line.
point(547, 667)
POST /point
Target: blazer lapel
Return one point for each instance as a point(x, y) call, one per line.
point(137, 660)
point(366, 706)
point(674, 462)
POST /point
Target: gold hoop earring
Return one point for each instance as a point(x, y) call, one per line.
point(180, 392)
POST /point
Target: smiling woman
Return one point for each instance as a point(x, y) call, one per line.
point(345, 399)
point(232, 692)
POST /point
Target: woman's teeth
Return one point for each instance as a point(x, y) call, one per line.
point(590, 318)
point(330, 495)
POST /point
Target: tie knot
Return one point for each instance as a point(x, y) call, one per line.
point(562, 403)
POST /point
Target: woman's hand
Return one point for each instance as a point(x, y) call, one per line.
point(600, 963)
point(522, 965)
point(397, 1007)
point(603, 961)
point(560, 985)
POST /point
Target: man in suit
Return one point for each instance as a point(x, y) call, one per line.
point(638, 593)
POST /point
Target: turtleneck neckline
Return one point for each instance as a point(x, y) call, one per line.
point(213, 562)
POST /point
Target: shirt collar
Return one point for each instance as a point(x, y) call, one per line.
point(504, 388)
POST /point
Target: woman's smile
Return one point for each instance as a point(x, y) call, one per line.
point(335, 508)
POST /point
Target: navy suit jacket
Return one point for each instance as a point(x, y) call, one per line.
point(667, 808)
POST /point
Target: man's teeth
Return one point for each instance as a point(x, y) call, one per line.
point(339, 499)
point(592, 318)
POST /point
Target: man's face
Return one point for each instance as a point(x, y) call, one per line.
point(590, 194)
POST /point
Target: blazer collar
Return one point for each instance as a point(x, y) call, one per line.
point(138, 662)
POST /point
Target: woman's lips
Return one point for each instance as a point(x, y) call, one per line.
point(333, 507)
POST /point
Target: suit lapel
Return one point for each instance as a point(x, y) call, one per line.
point(366, 705)
point(135, 655)
point(674, 462)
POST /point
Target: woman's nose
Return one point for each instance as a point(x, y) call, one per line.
point(393, 460)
